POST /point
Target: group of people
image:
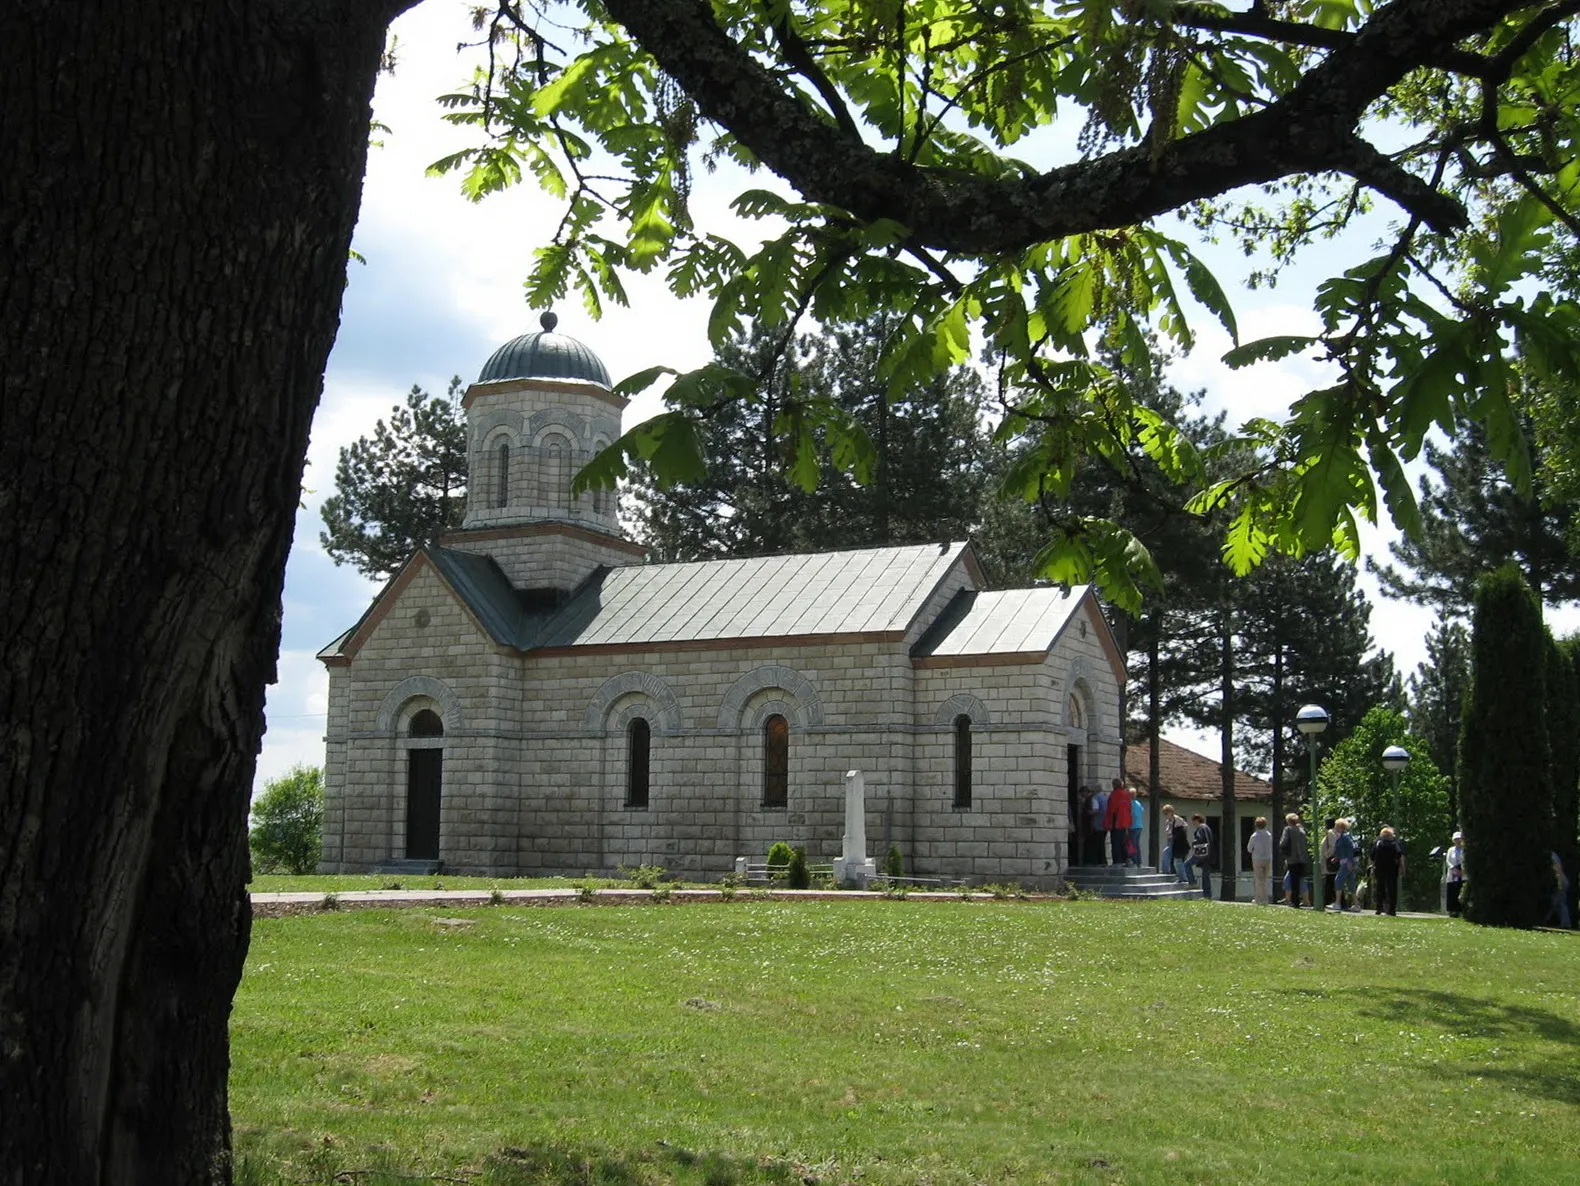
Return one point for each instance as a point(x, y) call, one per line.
point(1116, 816)
point(1187, 849)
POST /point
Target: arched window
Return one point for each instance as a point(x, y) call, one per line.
point(556, 471)
point(1076, 714)
point(426, 723)
point(776, 761)
point(502, 475)
point(638, 742)
point(962, 761)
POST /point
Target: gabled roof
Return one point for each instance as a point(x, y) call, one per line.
point(872, 591)
point(867, 592)
point(1185, 774)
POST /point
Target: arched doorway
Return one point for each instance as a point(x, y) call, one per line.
point(424, 785)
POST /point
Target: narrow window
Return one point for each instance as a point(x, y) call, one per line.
point(776, 762)
point(502, 475)
point(638, 741)
point(962, 761)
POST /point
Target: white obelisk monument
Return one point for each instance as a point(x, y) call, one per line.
point(853, 867)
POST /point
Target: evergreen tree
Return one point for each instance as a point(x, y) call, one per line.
point(929, 457)
point(401, 488)
point(1437, 696)
point(1354, 784)
point(1563, 736)
point(1305, 639)
point(1505, 796)
point(1474, 520)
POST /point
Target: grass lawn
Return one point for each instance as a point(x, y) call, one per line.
point(903, 1042)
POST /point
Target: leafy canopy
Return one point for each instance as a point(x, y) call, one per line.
point(288, 821)
point(994, 173)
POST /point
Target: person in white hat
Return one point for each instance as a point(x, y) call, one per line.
point(1454, 873)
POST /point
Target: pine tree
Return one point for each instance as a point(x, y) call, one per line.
point(1472, 521)
point(1305, 639)
point(401, 488)
point(1505, 795)
point(930, 458)
point(1437, 696)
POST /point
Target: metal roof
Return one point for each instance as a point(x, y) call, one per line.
point(1009, 622)
point(487, 592)
point(545, 355)
point(869, 591)
point(874, 590)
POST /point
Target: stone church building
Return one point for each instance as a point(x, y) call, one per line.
point(528, 697)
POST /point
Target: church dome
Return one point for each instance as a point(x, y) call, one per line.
point(545, 355)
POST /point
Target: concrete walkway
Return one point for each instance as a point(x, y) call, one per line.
point(313, 901)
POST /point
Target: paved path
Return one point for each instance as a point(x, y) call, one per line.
point(313, 901)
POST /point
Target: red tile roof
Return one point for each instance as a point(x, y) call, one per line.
point(1185, 774)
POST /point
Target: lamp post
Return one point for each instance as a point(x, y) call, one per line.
point(1394, 759)
point(1312, 720)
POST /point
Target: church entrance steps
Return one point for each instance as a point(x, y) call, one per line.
point(1119, 881)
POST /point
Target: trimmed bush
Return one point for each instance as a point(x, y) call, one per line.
point(779, 855)
point(1505, 796)
point(1563, 735)
point(797, 876)
point(894, 864)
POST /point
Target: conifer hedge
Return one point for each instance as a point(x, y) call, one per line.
point(1505, 796)
point(1563, 737)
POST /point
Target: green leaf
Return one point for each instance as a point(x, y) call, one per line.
point(1267, 350)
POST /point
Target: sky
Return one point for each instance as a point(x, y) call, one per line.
point(441, 289)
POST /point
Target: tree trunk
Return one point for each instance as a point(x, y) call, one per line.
point(180, 187)
point(1154, 729)
point(1277, 822)
point(1229, 841)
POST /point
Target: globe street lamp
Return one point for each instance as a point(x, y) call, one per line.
point(1394, 759)
point(1312, 720)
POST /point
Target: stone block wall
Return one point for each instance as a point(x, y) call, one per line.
point(535, 751)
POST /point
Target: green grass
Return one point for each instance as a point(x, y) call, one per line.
point(906, 1043)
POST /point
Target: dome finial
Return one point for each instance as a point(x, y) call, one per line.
point(548, 321)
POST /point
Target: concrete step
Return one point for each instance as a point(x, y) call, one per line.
point(1127, 882)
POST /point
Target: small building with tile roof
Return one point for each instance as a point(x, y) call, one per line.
point(529, 697)
point(1193, 783)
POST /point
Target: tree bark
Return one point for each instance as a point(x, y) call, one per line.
point(1229, 841)
point(181, 183)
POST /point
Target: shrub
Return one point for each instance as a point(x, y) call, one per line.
point(1503, 758)
point(644, 876)
point(779, 856)
point(288, 821)
point(797, 875)
point(894, 864)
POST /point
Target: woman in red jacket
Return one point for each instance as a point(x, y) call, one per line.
point(1117, 821)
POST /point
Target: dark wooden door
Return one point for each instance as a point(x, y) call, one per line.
point(1076, 851)
point(425, 775)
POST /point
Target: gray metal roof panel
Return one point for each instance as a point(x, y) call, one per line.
point(770, 596)
point(487, 592)
point(1010, 622)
